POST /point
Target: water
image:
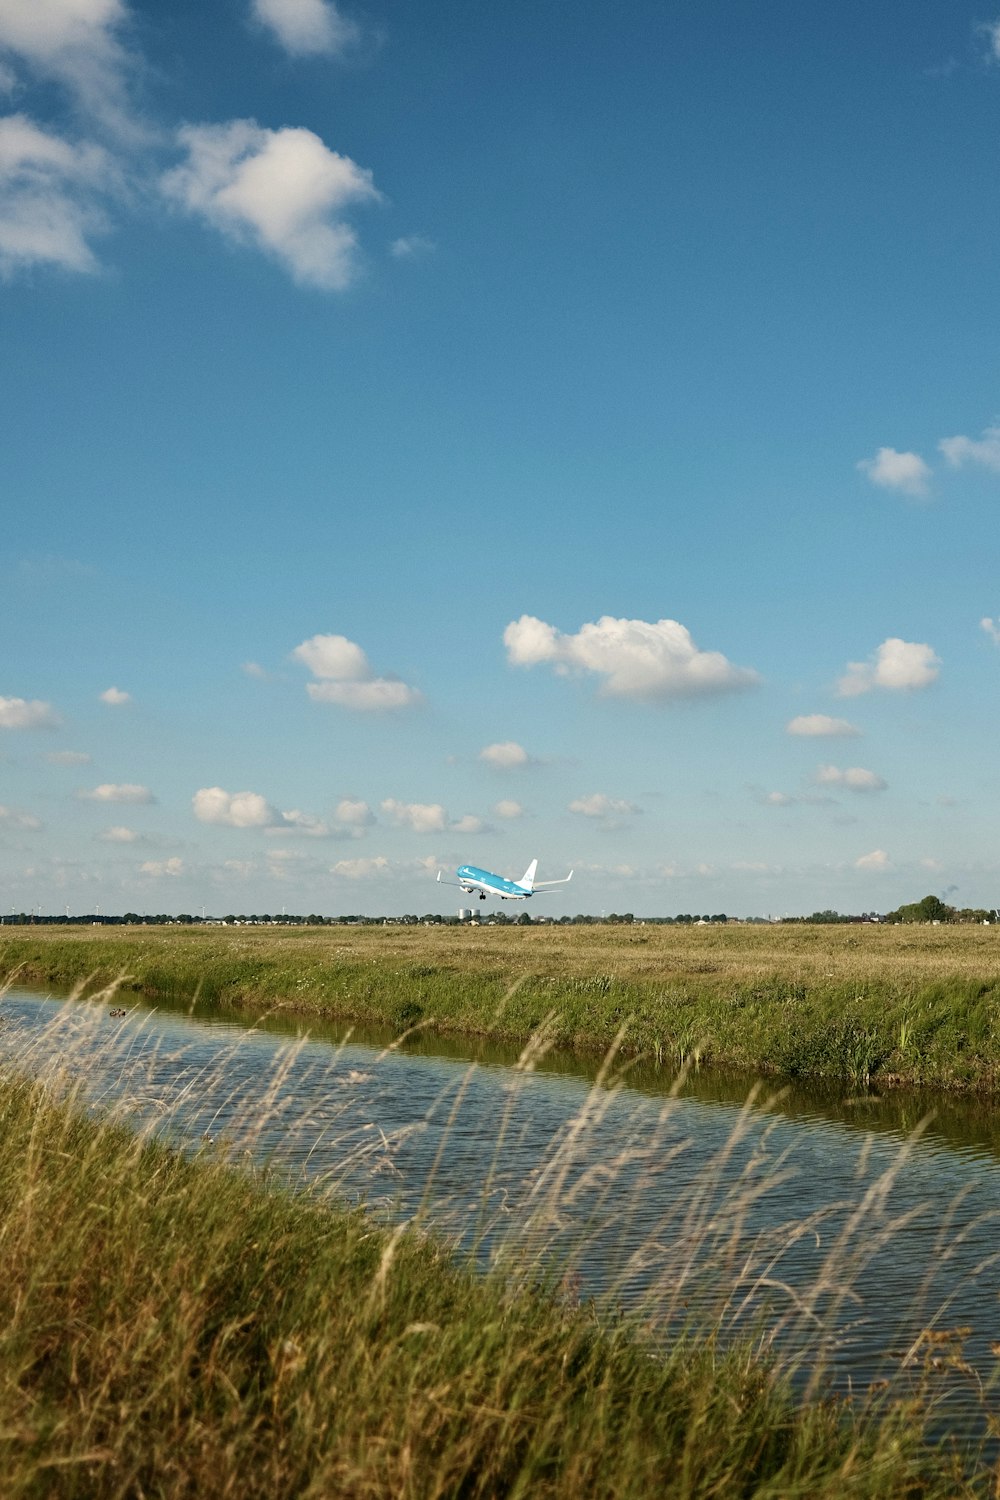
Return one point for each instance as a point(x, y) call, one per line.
point(823, 1223)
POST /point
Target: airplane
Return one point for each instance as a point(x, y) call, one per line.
point(474, 881)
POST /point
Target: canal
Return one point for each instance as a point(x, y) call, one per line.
point(854, 1237)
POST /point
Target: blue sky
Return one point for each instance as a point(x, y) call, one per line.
point(440, 434)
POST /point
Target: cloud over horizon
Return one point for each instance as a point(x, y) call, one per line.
point(27, 713)
point(346, 678)
point(854, 778)
point(896, 665)
point(507, 755)
point(636, 658)
point(819, 726)
point(125, 791)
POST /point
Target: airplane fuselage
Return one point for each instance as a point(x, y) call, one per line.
point(484, 883)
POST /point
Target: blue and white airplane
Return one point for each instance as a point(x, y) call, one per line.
point(484, 883)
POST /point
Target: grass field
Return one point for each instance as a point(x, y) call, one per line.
point(175, 1327)
point(897, 1004)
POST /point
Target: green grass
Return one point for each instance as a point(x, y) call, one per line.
point(896, 1005)
point(173, 1327)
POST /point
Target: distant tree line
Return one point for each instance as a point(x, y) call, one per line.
point(929, 909)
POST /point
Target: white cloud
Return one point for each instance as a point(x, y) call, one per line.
point(347, 679)
point(906, 472)
point(115, 696)
point(334, 656)
point(984, 451)
point(419, 817)
point(778, 799)
point(361, 869)
point(599, 805)
point(822, 726)
point(411, 246)
point(508, 809)
point(876, 860)
point(991, 30)
point(68, 758)
point(254, 669)
point(234, 809)
point(468, 824)
point(118, 835)
point(126, 791)
point(25, 713)
point(282, 190)
point(505, 756)
point(74, 42)
point(636, 658)
point(305, 27)
point(992, 628)
point(17, 819)
point(301, 822)
point(48, 198)
point(353, 813)
point(854, 778)
point(896, 665)
point(157, 868)
point(380, 694)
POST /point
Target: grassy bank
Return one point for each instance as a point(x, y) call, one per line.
point(171, 1328)
point(900, 1004)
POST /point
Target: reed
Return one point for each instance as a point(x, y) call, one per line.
point(894, 1004)
point(176, 1322)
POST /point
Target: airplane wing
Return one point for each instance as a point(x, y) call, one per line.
point(540, 883)
point(450, 882)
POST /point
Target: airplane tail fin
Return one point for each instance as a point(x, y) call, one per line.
point(528, 878)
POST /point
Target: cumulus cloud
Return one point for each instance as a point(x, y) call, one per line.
point(157, 868)
point(301, 822)
point(896, 666)
point(599, 805)
point(984, 450)
point(635, 658)
point(876, 860)
point(777, 799)
point(254, 669)
point(468, 824)
point(419, 817)
point(505, 756)
point(27, 713)
point(126, 791)
point(115, 697)
point(281, 190)
point(347, 679)
point(819, 726)
point(381, 694)
point(508, 809)
point(68, 758)
point(14, 818)
point(77, 44)
point(49, 198)
point(905, 472)
point(118, 834)
point(234, 809)
point(853, 778)
point(306, 27)
point(992, 628)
